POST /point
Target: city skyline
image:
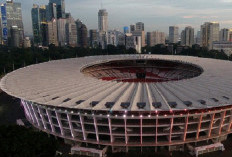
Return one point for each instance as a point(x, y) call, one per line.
point(158, 15)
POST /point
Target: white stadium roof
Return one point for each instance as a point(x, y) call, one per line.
point(62, 84)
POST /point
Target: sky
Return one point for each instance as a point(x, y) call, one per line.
point(156, 14)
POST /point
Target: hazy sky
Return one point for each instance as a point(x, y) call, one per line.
point(156, 14)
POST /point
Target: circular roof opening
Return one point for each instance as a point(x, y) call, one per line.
point(143, 70)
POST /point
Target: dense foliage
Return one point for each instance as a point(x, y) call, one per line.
point(16, 141)
point(14, 58)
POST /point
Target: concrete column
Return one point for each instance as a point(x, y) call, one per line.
point(170, 134)
point(223, 114)
point(110, 128)
point(82, 126)
point(96, 128)
point(186, 127)
point(70, 125)
point(42, 117)
point(59, 122)
point(199, 126)
point(35, 115)
point(211, 125)
point(126, 138)
point(50, 120)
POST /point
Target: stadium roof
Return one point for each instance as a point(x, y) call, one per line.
point(62, 83)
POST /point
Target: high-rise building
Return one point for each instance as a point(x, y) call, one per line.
point(11, 14)
point(103, 28)
point(224, 34)
point(209, 34)
point(126, 29)
point(51, 11)
point(71, 31)
point(27, 42)
point(198, 38)
point(112, 38)
point(130, 41)
point(78, 26)
point(44, 33)
point(102, 20)
point(60, 8)
point(38, 15)
point(52, 32)
point(187, 36)
point(132, 28)
point(173, 34)
point(61, 31)
point(93, 38)
point(15, 39)
point(142, 35)
point(140, 26)
point(83, 32)
point(230, 35)
point(154, 38)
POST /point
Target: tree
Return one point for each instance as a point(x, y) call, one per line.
point(17, 141)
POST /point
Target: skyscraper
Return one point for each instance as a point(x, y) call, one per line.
point(78, 26)
point(126, 29)
point(224, 34)
point(15, 40)
point(52, 32)
point(71, 31)
point(61, 31)
point(142, 36)
point(11, 16)
point(173, 34)
point(154, 38)
point(187, 36)
point(38, 15)
point(102, 28)
point(140, 26)
point(209, 34)
point(52, 11)
point(60, 8)
point(102, 20)
point(93, 38)
point(132, 28)
point(83, 36)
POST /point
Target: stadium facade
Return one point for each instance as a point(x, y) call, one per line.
point(128, 101)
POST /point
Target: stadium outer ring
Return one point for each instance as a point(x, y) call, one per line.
point(166, 128)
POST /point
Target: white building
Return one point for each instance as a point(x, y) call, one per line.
point(225, 46)
point(103, 27)
point(173, 34)
point(71, 32)
point(61, 24)
point(52, 32)
point(209, 34)
point(142, 35)
point(27, 42)
point(103, 20)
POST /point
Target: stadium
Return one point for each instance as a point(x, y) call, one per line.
point(127, 102)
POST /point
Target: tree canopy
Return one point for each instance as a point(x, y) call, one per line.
point(17, 141)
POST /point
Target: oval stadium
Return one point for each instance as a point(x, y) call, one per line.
point(125, 102)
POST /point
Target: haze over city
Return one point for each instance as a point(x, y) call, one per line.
point(157, 15)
